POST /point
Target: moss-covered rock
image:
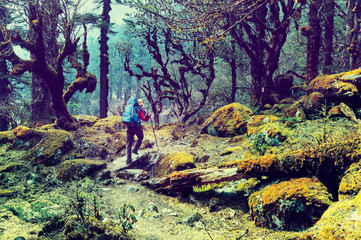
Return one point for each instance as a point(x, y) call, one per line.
point(26, 138)
point(291, 205)
point(296, 110)
point(259, 123)
point(53, 145)
point(342, 220)
point(6, 137)
point(79, 168)
point(85, 120)
point(351, 182)
point(110, 124)
point(337, 87)
point(177, 161)
point(229, 120)
point(314, 102)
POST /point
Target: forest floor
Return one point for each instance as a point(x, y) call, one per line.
point(197, 217)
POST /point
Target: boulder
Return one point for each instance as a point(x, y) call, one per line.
point(314, 102)
point(259, 123)
point(292, 205)
point(110, 125)
point(350, 184)
point(296, 110)
point(79, 168)
point(6, 137)
point(53, 145)
point(171, 162)
point(337, 87)
point(229, 120)
point(26, 138)
point(340, 221)
point(85, 120)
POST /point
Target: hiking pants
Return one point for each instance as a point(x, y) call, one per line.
point(131, 131)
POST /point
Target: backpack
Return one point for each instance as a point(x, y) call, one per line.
point(130, 115)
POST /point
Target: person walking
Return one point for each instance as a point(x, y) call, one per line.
point(134, 127)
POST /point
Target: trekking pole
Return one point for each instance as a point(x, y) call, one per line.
point(156, 142)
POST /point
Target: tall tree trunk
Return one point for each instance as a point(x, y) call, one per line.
point(41, 111)
point(329, 7)
point(104, 59)
point(355, 43)
point(349, 30)
point(313, 33)
point(4, 92)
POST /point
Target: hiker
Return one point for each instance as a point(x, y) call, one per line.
point(132, 117)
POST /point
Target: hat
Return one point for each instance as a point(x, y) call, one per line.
point(140, 102)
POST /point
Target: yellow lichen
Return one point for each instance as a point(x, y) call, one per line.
point(173, 162)
point(110, 124)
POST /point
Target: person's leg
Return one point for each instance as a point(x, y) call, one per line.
point(129, 143)
point(139, 132)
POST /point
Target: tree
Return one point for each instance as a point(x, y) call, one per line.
point(104, 58)
point(54, 77)
point(329, 10)
point(177, 65)
point(41, 112)
point(313, 34)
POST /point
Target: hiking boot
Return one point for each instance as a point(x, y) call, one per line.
point(135, 152)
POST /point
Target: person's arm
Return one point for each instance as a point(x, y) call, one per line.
point(142, 115)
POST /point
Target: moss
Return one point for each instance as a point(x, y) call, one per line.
point(231, 150)
point(52, 147)
point(7, 193)
point(6, 137)
point(350, 183)
point(72, 169)
point(173, 162)
point(342, 220)
point(281, 206)
point(229, 120)
point(110, 124)
point(12, 167)
point(85, 120)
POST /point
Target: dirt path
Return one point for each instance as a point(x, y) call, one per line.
point(162, 217)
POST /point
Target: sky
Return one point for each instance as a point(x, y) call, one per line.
point(117, 13)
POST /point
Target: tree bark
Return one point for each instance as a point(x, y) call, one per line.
point(329, 9)
point(349, 31)
point(313, 33)
point(4, 92)
point(104, 59)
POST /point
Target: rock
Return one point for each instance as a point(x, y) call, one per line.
point(293, 205)
point(340, 221)
point(259, 123)
point(350, 183)
point(229, 120)
point(144, 160)
point(85, 120)
point(6, 137)
point(348, 112)
point(171, 162)
point(72, 169)
point(110, 125)
point(53, 145)
point(336, 88)
point(133, 174)
point(314, 103)
point(26, 138)
point(190, 219)
point(296, 110)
